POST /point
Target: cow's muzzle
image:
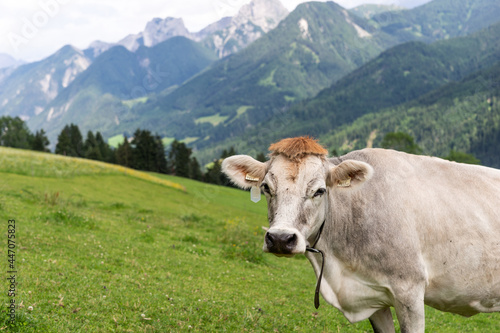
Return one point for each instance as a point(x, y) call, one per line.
point(281, 242)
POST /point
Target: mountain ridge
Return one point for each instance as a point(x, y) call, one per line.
point(105, 88)
point(293, 61)
point(225, 36)
point(399, 75)
point(30, 87)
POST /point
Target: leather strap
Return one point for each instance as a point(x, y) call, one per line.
point(314, 250)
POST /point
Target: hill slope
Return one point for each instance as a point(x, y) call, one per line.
point(439, 19)
point(398, 75)
point(369, 10)
point(463, 116)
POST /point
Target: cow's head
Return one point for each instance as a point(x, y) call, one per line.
point(298, 181)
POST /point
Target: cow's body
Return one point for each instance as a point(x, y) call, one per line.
point(399, 230)
point(418, 220)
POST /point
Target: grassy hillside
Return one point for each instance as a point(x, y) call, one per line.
point(101, 250)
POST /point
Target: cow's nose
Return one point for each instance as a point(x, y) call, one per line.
point(281, 242)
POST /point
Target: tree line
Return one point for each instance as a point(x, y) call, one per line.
point(145, 150)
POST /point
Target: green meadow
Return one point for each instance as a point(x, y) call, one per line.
point(106, 249)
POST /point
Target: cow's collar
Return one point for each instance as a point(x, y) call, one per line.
point(314, 250)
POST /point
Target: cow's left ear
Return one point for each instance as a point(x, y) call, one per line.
point(244, 171)
point(349, 173)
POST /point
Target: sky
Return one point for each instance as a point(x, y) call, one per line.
point(34, 29)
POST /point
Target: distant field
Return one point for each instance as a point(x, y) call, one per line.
point(116, 140)
point(215, 119)
point(101, 249)
point(132, 102)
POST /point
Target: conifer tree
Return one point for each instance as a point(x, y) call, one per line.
point(124, 154)
point(179, 159)
point(40, 141)
point(69, 142)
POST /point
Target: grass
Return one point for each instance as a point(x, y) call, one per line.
point(189, 140)
point(107, 251)
point(215, 119)
point(268, 81)
point(132, 102)
point(167, 141)
point(240, 111)
point(37, 164)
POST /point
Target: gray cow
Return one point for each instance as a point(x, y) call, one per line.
point(396, 229)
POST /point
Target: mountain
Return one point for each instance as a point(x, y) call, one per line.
point(157, 30)
point(367, 11)
point(220, 25)
point(18, 99)
point(439, 19)
point(7, 60)
point(312, 48)
point(399, 75)
point(101, 97)
point(252, 21)
point(226, 36)
point(30, 87)
point(464, 116)
point(315, 45)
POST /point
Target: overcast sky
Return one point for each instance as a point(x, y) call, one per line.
point(33, 29)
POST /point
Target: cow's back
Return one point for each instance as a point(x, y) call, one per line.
point(445, 215)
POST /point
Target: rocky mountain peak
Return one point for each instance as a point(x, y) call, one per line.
point(225, 36)
point(159, 30)
point(264, 13)
point(252, 21)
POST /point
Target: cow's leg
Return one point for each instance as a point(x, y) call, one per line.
point(411, 313)
point(382, 321)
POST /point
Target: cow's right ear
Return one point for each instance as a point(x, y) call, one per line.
point(244, 171)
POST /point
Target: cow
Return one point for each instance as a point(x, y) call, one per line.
point(397, 230)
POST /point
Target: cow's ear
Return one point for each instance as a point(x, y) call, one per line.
point(244, 171)
point(349, 173)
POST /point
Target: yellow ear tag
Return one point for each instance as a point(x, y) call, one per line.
point(251, 178)
point(345, 182)
point(255, 194)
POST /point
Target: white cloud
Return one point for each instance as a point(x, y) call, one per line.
point(34, 29)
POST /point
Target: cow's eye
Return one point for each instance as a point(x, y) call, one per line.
point(265, 188)
point(319, 192)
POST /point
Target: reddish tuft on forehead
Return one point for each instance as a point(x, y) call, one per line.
point(297, 148)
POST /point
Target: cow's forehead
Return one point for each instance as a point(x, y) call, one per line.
point(302, 171)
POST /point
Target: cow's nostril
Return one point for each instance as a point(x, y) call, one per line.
point(291, 239)
point(270, 239)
